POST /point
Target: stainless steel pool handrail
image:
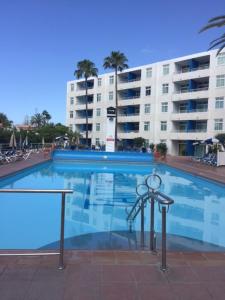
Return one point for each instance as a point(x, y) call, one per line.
point(63, 192)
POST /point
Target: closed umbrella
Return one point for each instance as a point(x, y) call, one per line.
point(25, 142)
point(12, 142)
point(43, 141)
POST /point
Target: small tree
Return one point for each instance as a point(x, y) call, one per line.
point(152, 147)
point(139, 142)
point(162, 149)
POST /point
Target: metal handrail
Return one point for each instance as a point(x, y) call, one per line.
point(63, 192)
point(164, 202)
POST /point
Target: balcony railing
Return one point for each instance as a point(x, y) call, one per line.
point(129, 97)
point(84, 88)
point(187, 90)
point(83, 117)
point(128, 115)
point(129, 131)
point(204, 109)
point(190, 130)
point(187, 69)
point(129, 80)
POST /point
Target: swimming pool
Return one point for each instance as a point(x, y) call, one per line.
point(102, 191)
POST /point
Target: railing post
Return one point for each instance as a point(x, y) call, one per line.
point(61, 250)
point(142, 225)
point(163, 263)
point(152, 225)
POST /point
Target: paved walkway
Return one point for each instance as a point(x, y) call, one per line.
point(113, 275)
point(34, 159)
point(196, 168)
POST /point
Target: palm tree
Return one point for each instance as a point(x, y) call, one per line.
point(212, 23)
point(4, 121)
point(46, 116)
point(37, 120)
point(118, 62)
point(86, 69)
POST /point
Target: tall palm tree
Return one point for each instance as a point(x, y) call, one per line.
point(220, 41)
point(47, 117)
point(37, 120)
point(86, 69)
point(118, 62)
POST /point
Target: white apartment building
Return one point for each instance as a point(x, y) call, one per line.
point(178, 101)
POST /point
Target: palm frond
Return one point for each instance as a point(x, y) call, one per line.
point(217, 43)
point(217, 18)
point(221, 37)
point(212, 25)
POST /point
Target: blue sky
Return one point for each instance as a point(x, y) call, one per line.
point(42, 40)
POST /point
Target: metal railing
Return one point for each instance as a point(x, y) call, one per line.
point(128, 80)
point(203, 109)
point(187, 90)
point(62, 223)
point(152, 183)
point(188, 69)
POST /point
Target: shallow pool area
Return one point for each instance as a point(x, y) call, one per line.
point(103, 193)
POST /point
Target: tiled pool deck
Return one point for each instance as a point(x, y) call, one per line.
point(120, 275)
point(113, 275)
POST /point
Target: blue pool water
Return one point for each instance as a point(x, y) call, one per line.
point(102, 191)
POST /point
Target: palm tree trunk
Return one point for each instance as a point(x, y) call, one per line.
point(116, 109)
point(86, 108)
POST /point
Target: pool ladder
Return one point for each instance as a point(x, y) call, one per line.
point(152, 183)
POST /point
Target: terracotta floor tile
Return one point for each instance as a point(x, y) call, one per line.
point(149, 258)
point(127, 257)
point(216, 290)
point(116, 273)
point(149, 291)
point(210, 273)
point(83, 274)
point(103, 257)
point(190, 291)
point(150, 274)
point(14, 289)
point(117, 291)
point(45, 290)
point(183, 274)
point(18, 273)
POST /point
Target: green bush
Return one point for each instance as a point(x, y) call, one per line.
point(162, 148)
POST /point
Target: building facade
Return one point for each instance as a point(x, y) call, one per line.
point(178, 101)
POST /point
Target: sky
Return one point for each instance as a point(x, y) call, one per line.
point(41, 42)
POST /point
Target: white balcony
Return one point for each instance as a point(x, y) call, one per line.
point(129, 84)
point(196, 134)
point(83, 134)
point(186, 74)
point(128, 118)
point(79, 106)
point(128, 135)
point(185, 94)
point(79, 120)
point(197, 114)
point(129, 101)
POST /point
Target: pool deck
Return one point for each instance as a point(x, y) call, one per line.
point(13, 167)
point(196, 168)
point(109, 275)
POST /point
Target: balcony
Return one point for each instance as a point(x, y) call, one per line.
point(129, 79)
point(194, 114)
point(185, 93)
point(128, 117)
point(194, 134)
point(129, 135)
point(82, 120)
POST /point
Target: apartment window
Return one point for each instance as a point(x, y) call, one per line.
point(218, 124)
point(219, 102)
point(72, 87)
point(98, 112)
point(97, 141)
point(147, 91)
point(220, 80)
point(71, 100)
point(165, 88)
point(99, 81)
point(71, 114)
point(111, 95)
point(221, 59)
point(149, 72)
point(163, 125)
point(99, 96)
point(97, 126)
point(147, 108)
point(146, 126)
point(166, 69)
point(164, 107)
point(111, 79)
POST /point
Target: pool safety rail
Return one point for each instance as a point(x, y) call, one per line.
point(147, 191)
point(62, 222)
